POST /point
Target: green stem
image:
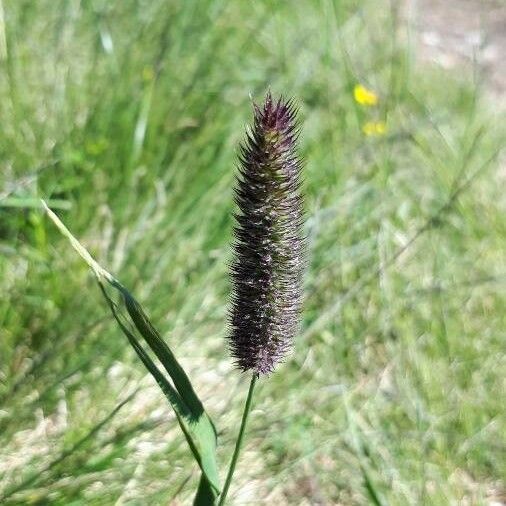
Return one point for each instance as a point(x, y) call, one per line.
point(235, 456)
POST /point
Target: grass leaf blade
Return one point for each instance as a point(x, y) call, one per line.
point(195, 423)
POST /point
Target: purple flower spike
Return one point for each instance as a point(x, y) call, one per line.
point(269, 245)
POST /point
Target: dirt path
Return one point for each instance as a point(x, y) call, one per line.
point(457, 33)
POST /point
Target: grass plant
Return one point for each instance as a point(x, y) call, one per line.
point(118, 114)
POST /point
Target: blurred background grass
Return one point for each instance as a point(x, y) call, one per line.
point(125, 116)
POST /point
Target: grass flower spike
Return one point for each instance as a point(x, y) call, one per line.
point(269, 248)
point(269, 244)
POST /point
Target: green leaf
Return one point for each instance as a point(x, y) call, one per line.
point(195, 423)
point(204, 496)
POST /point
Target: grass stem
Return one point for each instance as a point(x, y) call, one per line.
point(238, 443)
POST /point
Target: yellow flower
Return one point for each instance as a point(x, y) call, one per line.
point(363, 96)
point(372, 128)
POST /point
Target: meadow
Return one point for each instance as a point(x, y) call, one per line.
point(125, 117)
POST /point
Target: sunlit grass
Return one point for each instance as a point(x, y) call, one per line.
point(127, 115)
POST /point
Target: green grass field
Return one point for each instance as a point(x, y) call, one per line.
point(125, 116)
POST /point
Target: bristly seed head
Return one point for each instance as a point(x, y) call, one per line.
point(269, 245)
